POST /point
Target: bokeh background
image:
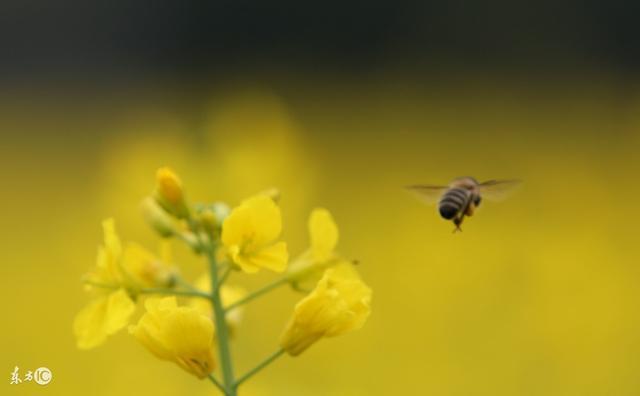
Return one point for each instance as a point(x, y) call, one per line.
point(339, 105)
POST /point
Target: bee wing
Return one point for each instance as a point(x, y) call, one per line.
point(427, 193)
point(498, 190)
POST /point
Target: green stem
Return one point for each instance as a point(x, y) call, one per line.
point(185, 293)
point(258, 293)
point(260, 366)
point(225, 274)
point(222, 332)
point(172, 292)
point(217, 384)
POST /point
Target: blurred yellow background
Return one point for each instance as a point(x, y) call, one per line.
point(537, 296)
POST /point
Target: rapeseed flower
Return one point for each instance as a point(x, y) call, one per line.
point(117, 277)
point(249, 234)
point(340, 303)
point(111, 310)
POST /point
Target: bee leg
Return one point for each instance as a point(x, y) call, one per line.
point(470, 209)
point(458, 222)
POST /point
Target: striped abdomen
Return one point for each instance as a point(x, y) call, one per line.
point(453, 202)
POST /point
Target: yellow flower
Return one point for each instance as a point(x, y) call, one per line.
point(228, 294)
point(307, 269)
point(178, 334)
point(169, 192)
point(111, 311)
point(118, 274)
point(340, 303)
point(249, 234)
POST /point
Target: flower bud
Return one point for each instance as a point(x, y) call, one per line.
point(208, 220)
point(212, 216)
point(221, 211)
point(192, 241)
point(157, 217)
point(169, 193)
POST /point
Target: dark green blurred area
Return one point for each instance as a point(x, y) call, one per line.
point(123, 39)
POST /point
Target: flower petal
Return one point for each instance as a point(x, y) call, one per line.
point(272, 257)
point(256, 222)
point(107, 270)
point(179, 334)
point(189, 334)
point(102, 317)
point(323, 233)
point(339, 303)
point(111, 239)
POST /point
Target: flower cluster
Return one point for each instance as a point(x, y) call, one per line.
point(192, 323)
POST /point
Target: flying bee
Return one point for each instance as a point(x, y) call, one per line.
point(462, 196)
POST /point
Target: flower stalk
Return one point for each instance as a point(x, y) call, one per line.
point(260, 366)
point(217, 383)
point(222, 333)
point(263, 290)
point(225, 274)
point(170, 292)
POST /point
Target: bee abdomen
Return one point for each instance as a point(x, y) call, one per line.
point(452, 202)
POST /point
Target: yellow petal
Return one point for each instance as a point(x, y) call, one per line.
point(179, 334)
point(149, 327)
point(256, 222)
point(323, 233)
point(101, 318)
point(272, 257)
point(356, 296)
point(189, 334)
point(107, 270)
point(245, 263)
point(111, 238)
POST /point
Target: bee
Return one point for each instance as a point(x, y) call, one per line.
point(463, 196)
